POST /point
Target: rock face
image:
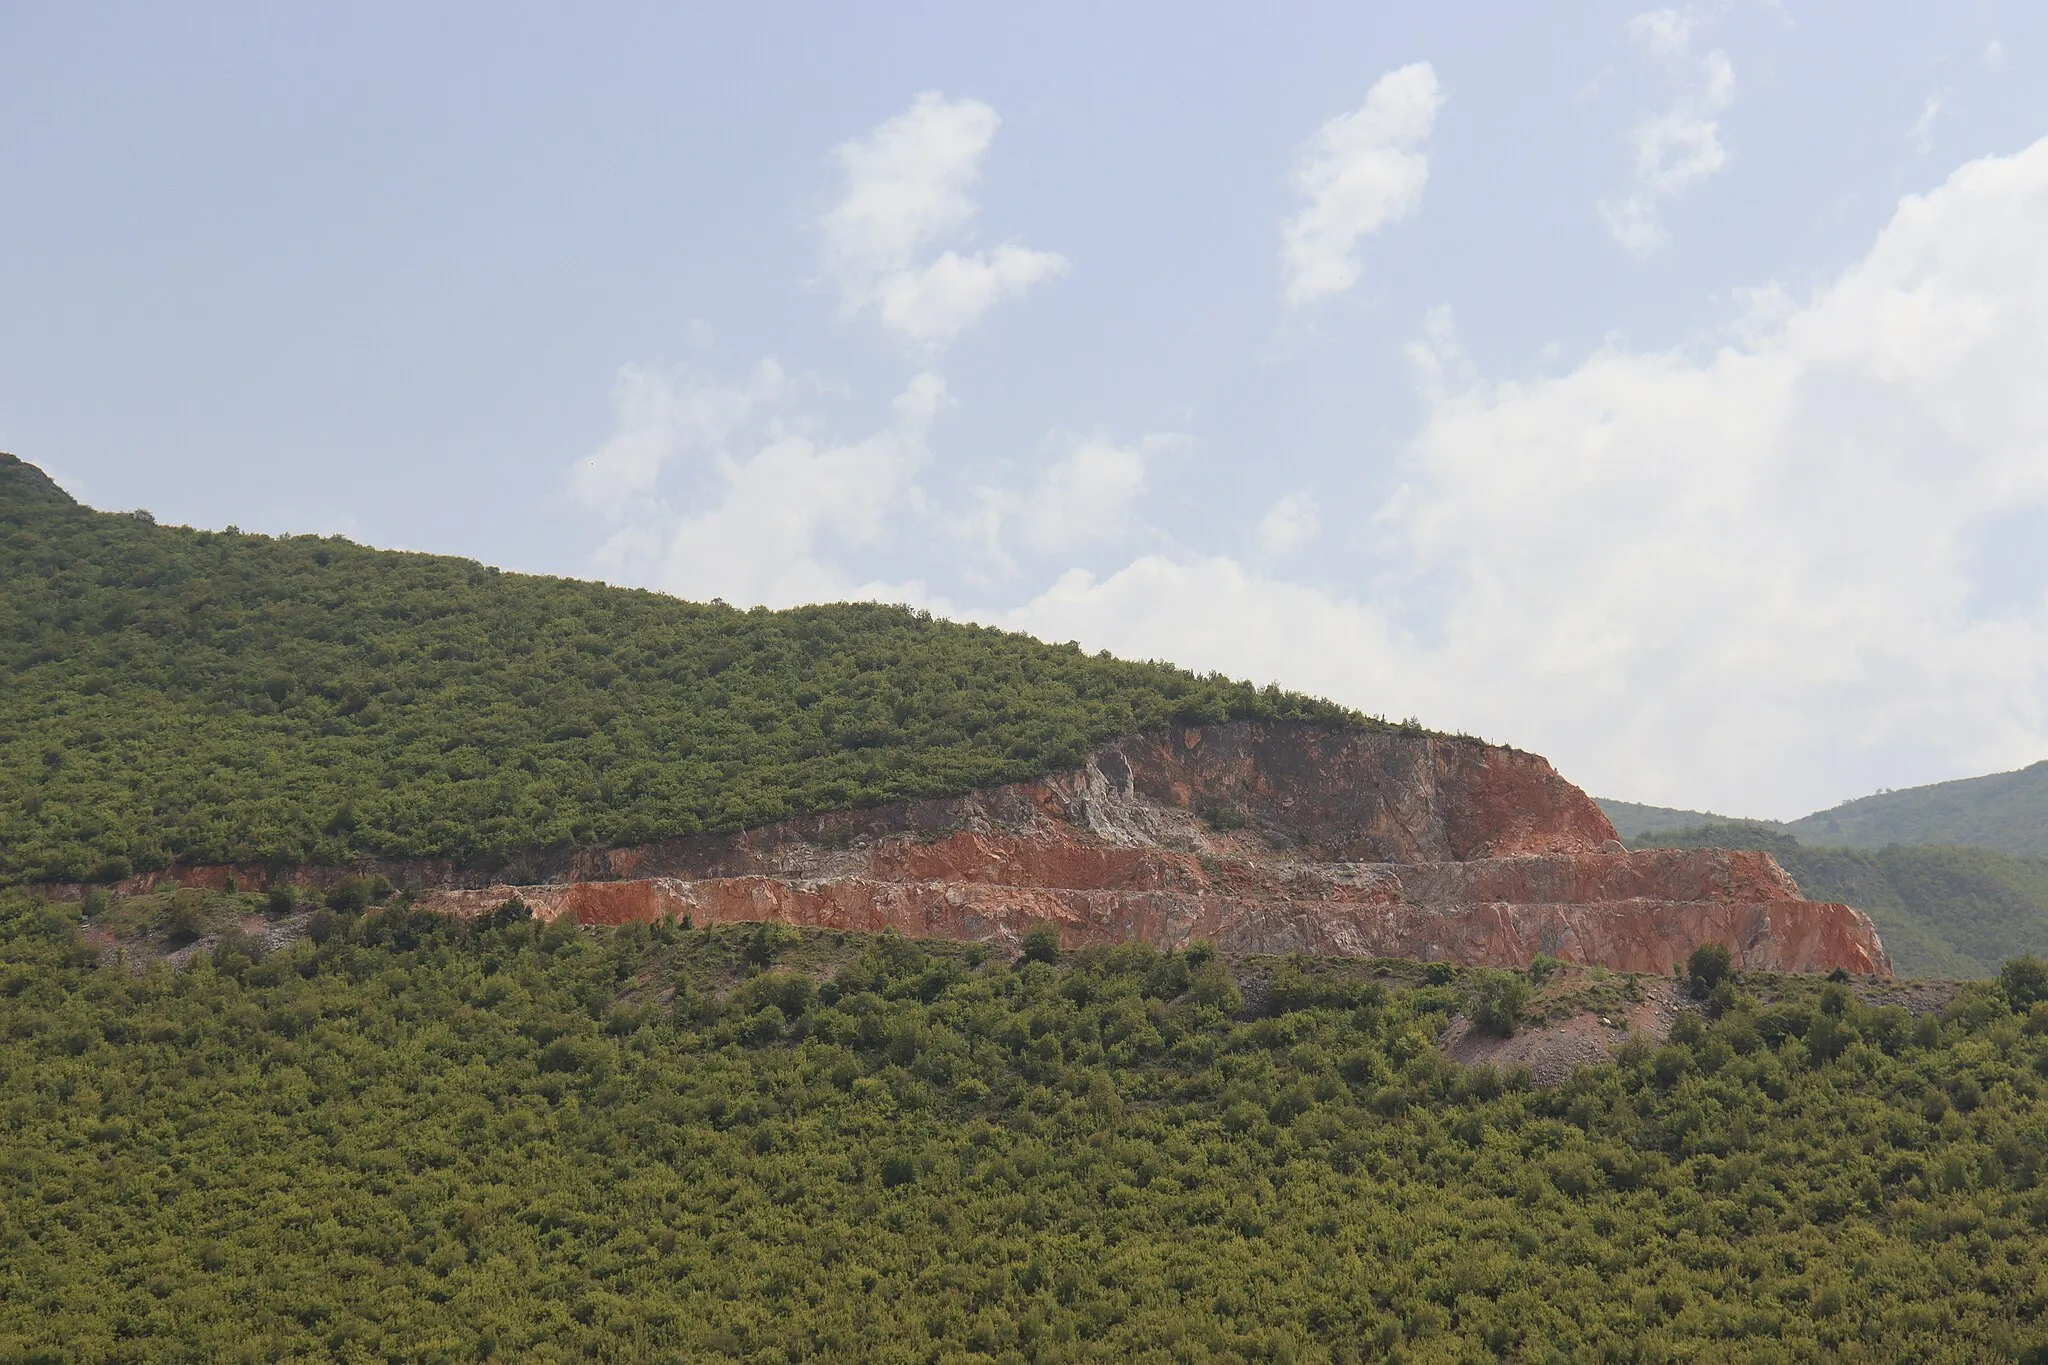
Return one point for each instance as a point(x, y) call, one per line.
point(1257, 837)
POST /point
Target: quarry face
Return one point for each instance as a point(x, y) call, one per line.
point(1257, 837)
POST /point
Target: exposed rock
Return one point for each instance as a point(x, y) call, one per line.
point(1257, 837)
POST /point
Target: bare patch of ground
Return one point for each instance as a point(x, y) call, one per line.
point(1915, 997)
point(1570, 1028)
point(133, 937)
point(1582, 1020)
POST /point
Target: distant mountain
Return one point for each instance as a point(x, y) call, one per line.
point(2005, 811)
point(1632, 820)
point(1942, 910)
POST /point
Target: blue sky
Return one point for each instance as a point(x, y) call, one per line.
point(1660, 389)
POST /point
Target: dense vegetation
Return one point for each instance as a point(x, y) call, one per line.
point(1956, 912)
point(407, 1139)
point(1633, 820)
point(2005, 811)
point(175, 694)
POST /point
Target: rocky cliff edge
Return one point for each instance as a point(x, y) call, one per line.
point(1256, 837)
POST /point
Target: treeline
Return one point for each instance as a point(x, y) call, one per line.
point(408, 1139)
point(217, 697)
point(1943, 911)
point(2005, 811)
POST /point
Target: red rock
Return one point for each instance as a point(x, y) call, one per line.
point(1257, 837)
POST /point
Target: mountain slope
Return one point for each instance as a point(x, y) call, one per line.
point(408, 1139)
point(1943, 911)
point(1632, 819)
point(200, 696)
point(2005, 811)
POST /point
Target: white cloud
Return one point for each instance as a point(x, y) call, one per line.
point(1214, 613)
point(1663, 32)
point(1677, 148)
point(1994, 55)
point(1289, 524)
point(1921, 134)
point(939, 301)
point(909, 187)
point(1089, 494)
point(778, 502)
point(655, 417)
point(1361, 171)
point(1748, 580)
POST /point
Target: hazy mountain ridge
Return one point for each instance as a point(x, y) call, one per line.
point(2006, 811)
point(1633, 819)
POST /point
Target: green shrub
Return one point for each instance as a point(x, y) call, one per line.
point(349, 897)
point(511, 911)
point(185, 915)
point(2025, 981)
point(1210, 985)
point(1708, 967)
point(1495, 1000)
point(765, 944)
point(1042, 943)
point(235, 950)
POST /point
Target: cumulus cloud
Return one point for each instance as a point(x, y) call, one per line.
point(774, 504)
point(1361, 171)
point(1676, 148)
point(1289, 524)
point(1753, 579)
point(908, 187)
point(1215, 613)
point(1663, 32)
point(1088, 495)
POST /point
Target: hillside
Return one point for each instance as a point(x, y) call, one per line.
point(405, 1138)
point(222, 697)
point(1943, 911)
point(2005, 811)
point(1633, 820)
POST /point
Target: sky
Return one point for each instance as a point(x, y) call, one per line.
point(1662, 390)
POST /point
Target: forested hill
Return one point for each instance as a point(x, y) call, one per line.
point(408, 1138)
point(2005, 811)
point(218, 696)
point(1633, 820)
